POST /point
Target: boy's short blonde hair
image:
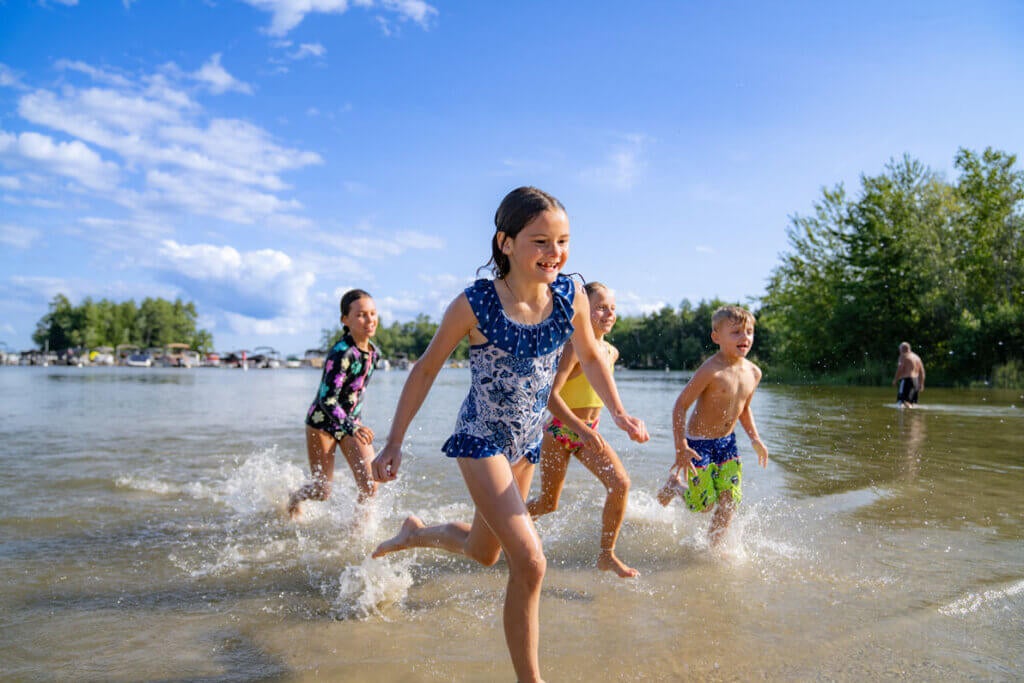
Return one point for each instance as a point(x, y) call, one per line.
point(731, 314)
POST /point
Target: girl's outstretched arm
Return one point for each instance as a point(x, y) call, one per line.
point(597, 371)
point(458, 320)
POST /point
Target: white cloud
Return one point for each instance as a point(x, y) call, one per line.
point(309, 50)
point(410, 239)
point(218, 80)
point(630, 303)
point(179, 160)
point(17, 236)
point(416, 10)
point(260, 285)
point(8, 77)
point(287, 14)
point(27, 288)
point(622, 167)
point(73, 159)
point(702, 249)
point(98, 75)
point(9, 182)
point(365, 241)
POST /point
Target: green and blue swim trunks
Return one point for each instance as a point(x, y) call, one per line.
point(718, 470)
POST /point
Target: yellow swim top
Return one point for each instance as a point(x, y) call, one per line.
point(577, 393)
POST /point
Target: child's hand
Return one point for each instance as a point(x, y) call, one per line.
point(762, 452)
point(633, 426)
point(685, 461)
point(385, 465)
point(363, 435)
point(592, 440)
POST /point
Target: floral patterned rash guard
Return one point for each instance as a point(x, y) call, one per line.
point(339, 400)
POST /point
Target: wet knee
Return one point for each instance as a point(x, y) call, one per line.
point(530, 569)
point(619, 486)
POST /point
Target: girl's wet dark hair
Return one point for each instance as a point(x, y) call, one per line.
point(349, 298)
point(517, 209)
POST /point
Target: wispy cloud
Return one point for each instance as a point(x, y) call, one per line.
point(366, 241)
point(308, 50)
point(622, 165)
point(17, 236)
point(218, 80)
point(8, 77)
point(287, 14)
point(96, 74)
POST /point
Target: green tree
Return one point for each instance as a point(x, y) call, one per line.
point(911, 258)
point(104, 323)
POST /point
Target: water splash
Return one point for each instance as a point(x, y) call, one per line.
point(366, 588)
point(260, 483)
point(975, 602)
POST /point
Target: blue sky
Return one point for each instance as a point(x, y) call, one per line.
point(260, 157)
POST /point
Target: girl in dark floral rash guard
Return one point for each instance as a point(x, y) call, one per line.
point(333, 419)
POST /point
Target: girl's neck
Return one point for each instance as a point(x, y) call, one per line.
point(362, 343)
point(524, 290)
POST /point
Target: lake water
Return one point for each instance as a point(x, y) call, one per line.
point(142, 538)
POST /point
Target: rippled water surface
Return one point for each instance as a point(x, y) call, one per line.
point(142, 538)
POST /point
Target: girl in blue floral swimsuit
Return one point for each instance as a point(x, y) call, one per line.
point(334, 417)
point(517, 324)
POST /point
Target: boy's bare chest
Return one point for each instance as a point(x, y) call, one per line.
point(731, 383)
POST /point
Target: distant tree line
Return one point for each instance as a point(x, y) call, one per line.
point(912, 258)
point(153, 323)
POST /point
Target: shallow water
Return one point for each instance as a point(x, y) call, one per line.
point(142, 538)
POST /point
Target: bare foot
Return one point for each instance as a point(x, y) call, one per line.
point(672, 488)
point(294, 511)
point(411, 524)
point(607, 561)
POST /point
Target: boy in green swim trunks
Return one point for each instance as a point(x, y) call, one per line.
point(706, 446)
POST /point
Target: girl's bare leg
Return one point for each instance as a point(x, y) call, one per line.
point(501, 523)
point(554, 462)
point(359, 456)
point(607, 467)
point(320, 448)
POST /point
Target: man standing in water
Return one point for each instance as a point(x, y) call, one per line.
point(909, 377)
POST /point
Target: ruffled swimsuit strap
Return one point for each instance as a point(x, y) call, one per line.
point(523, 341)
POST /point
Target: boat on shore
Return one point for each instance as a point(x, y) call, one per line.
point(314, 358)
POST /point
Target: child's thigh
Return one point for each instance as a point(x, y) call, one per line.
point(605, 465)
point(501, 519)
point(320, 447)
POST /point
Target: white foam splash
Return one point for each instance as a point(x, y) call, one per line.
point(260, 483)
point(366, 588)
point(974, 602)
point(127, 481)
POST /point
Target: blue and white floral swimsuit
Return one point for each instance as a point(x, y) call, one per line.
point(512, 375)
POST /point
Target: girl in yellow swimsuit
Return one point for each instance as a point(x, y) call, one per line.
point(576, 408)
